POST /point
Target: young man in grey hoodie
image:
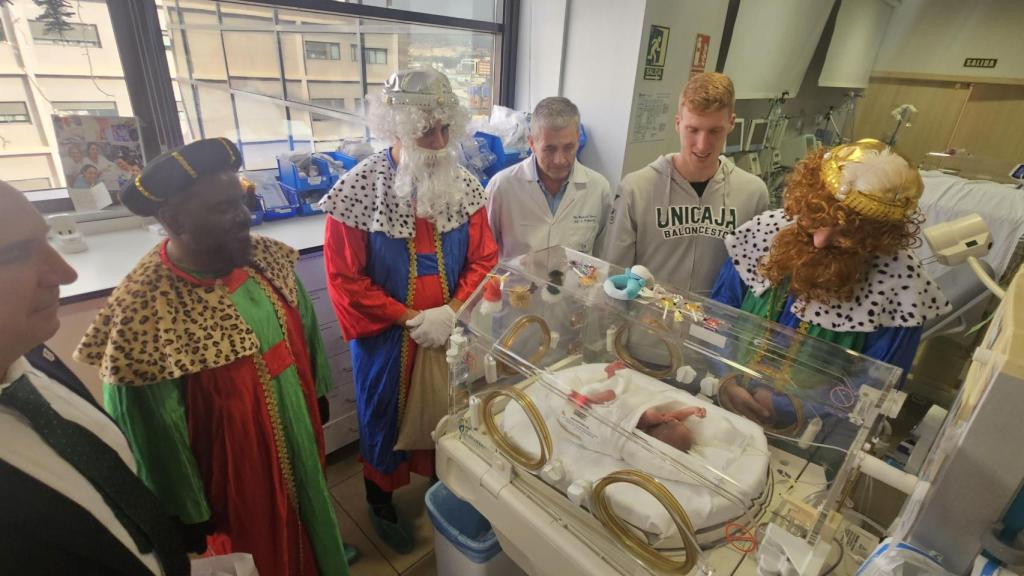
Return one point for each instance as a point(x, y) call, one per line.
point(672, 215)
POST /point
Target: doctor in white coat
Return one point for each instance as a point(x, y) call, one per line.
point(549, 199)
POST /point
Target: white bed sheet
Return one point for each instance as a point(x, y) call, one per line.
point(734, 446)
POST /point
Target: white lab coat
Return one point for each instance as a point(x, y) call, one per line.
point(522, 222)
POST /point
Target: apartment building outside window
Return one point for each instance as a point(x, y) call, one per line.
point(334, 103)
point(86, 108)
point(372, 55)
point(78, 35)
point(322, 50)
point(282, 66)
point(14, 113)
point(261, 75)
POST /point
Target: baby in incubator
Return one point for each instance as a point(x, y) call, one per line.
point(665, 425)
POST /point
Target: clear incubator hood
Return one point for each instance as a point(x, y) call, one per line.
point(644, 429)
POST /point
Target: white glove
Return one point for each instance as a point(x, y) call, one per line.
point(431, 328)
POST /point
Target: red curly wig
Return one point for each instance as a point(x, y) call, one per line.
point(833, 273)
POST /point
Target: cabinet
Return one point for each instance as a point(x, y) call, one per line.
point(343, 427)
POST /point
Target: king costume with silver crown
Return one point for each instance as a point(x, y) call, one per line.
point(407, 231)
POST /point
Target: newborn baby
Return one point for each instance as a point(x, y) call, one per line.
point(666, 426)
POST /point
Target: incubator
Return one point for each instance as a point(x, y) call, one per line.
point(654, 435)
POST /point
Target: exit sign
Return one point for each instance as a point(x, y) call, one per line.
point(980, 62)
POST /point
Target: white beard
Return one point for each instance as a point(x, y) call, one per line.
point(429, 179)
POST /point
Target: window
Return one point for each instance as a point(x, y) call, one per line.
point(335, 103)
point(78, 35)
point(13, 113)
point(486, 10)
point(244, 70)
point(322, 50)
point(372, 55)
point(86, 108)
point(253, 80)
point(60, 80)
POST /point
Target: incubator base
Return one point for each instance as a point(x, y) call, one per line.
point(541, 531)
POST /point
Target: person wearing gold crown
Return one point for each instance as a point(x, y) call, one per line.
point(836, 262)
point(407, 242)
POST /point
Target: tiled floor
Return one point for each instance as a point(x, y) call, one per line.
point(346, 485)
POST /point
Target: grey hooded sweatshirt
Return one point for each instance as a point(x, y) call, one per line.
point(657, 220)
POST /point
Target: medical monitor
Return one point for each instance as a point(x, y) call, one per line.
point(756, 135)
point(734, 141)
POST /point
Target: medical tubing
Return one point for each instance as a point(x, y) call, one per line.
point(797, 440)
point(985, 278)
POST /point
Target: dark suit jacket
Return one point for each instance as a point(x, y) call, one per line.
point(44, 532)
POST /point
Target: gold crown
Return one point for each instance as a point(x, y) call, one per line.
point(882, 185)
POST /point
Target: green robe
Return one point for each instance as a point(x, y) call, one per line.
point(161, 421)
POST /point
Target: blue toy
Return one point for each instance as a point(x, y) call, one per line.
point(627, 286)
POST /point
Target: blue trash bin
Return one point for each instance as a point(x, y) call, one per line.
point(464, 542)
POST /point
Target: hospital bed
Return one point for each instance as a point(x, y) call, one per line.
point(948, 339)
point(517, 365)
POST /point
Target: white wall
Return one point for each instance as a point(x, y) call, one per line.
point(602, 52)
point(21, 135)
point(540, 51)
point(772, 44)
point(933, 37)
point(859, 30)
point(685, 19)
point(593, 52)
point(28, 167)
point(79, 89)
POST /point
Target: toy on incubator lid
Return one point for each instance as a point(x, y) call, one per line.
point(552, 293)
point(491, 303)
point(627, 286)
point(586, 272)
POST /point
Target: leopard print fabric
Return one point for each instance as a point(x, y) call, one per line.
point(158, 326)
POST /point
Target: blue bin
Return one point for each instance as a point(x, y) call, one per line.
point(465, 528)
point(286, 211)
point(347, 161)
point(506, 158)
point(305, 202)
point(290, 175)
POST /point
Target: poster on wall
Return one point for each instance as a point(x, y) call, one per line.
point(700, 54)
point(651, 117)
point(99, 155)
point(657, 53)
